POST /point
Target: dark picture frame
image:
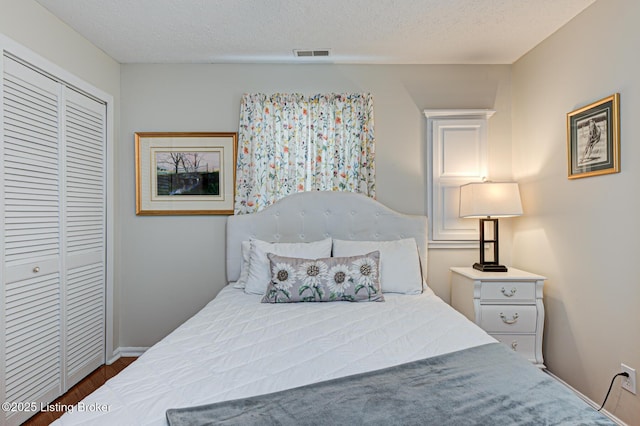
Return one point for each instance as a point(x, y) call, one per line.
point(593, 138)
point(188, 173)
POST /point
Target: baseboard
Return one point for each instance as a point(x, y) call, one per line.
point(126, 352)
point(587, 400)
point(132, 351)
point(114, 357)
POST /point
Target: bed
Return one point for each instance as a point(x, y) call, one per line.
point(240, 361)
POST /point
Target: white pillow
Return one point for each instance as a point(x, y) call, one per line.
point(399, 262)
point(259, 274)
point(244, 267)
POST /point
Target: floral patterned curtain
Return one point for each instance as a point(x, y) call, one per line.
point(291, 143)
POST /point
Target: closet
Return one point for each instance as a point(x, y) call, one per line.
point(53, 238)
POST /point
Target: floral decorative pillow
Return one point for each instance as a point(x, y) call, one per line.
point(352, 279)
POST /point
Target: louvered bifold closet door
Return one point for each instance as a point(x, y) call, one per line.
point(31, 292)
point(85, 197)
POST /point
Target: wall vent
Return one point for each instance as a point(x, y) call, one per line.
point(309, 53)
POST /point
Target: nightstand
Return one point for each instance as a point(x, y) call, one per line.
point(507, 305)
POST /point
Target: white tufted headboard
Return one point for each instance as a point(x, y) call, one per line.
point(312, 216)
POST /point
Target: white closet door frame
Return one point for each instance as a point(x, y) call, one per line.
point(54, 71)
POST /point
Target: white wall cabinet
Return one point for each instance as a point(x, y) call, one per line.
point(53, 241)
point(458, 152)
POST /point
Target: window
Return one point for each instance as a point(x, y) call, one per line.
point(291, 143)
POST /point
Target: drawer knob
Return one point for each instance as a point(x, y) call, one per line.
point(510, 293)
point(36, 269)
point(514, 345)
point(506, 320)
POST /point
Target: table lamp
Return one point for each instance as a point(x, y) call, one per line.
point(490, 201)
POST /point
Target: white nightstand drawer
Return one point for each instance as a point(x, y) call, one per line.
point(507, 305)
point(523, 344)
point(507, 291)
point(508, 318)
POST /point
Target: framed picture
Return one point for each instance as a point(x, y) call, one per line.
point(185, 173)
point(593, 138)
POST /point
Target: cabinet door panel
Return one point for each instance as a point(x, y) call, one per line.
point(31, 189)
point(84, 236)
point(85, 321)
point(457, 145)
point(32, 338)
point(31, 234)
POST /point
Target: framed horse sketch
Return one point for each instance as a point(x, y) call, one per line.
point(593, 138)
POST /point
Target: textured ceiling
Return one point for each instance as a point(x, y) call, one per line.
point(356, 31)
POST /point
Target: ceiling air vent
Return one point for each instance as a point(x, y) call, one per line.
point(308, 53)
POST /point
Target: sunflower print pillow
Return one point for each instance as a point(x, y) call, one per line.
point(351, 279)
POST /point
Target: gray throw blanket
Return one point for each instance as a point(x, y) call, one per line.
point(485, 385)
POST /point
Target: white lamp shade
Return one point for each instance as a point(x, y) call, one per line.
point(495, 199)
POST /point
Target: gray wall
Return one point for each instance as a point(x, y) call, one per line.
point(171, 266)
point(583, 234)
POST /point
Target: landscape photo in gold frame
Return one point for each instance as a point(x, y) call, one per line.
point(187, 173)
point(593, 138)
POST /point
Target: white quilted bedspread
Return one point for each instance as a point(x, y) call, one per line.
point(236, 347)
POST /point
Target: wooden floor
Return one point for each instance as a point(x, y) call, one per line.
point(87, 385)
